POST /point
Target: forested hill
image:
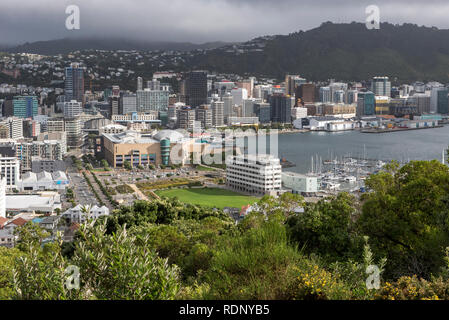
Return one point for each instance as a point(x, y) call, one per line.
point(341, 51)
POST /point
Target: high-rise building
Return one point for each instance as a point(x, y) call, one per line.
point(139, 83)
point(74, 132)
point(238, 95)
point(72, 109)
point(439, 100)
point(186, 118)
point(15, 127)
point(25, 106)
point(422, 101)
point(381, 86)
point(196, 88)
point(281, 108)
point(305, 93)
point(74, 83)
point(217, 113)
point(228, 105)
point(152, 100)
point(115, 100)
point(129, 103)
point(248, 107)
point(365, 104)
point(204, 116)
point(325, 95)
point(292, 82)
point(263, 112)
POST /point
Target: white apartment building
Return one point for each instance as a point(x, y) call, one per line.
point(72, 109)
point(10, 170)
point(256, 174)
point(79, 214)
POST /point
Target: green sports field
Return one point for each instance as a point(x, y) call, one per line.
point(211, 197)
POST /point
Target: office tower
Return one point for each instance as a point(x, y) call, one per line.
point(365, 104)
point(25, 106)
point(238, 95)
point(15, 127)
point(152, 100)
point(422, 101)
point(439, 100)
point(381, 86)
point(263, 112)
point(325, 94)
point(281, 108)
point(337, 86)
point(217, 113)
point(8, 108)
point(115, 100)
point(74, 83)
point(351, 96)
point(72, 109)
point(339, 96)
point(186, 118)
point(305, 93)
point(129, 103)
point(204, 116)
point(292, 82)
point(248, 107)
point(227, 107)
point(74, 132)
point(196, 88)
point(139, 83)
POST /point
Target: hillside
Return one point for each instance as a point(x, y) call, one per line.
point(64, 46)
point(341, 51)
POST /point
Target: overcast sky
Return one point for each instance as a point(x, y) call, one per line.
point(200, 20)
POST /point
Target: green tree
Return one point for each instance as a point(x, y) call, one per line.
point(406, 217)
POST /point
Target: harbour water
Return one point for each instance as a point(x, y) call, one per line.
point(299, 148)
point(404, 146)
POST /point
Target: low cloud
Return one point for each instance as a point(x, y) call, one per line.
point(199, 20)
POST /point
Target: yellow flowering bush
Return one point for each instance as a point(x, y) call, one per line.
point(315, 283)
point(414, 288)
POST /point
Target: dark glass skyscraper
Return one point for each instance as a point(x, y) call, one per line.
point(74, 83)
point(196, 88)
point(281, 108)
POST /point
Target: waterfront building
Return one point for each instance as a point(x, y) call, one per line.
point(254, 174)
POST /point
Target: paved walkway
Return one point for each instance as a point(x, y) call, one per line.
point(139, 193)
